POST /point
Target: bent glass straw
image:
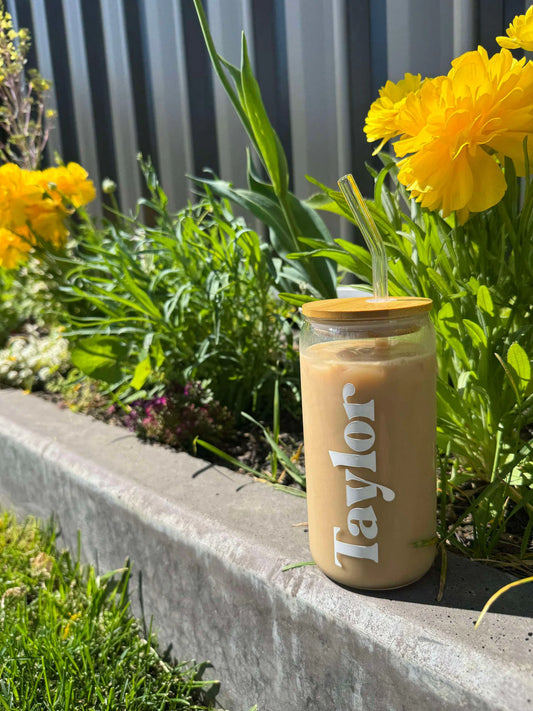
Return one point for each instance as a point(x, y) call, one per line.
point(368, 228)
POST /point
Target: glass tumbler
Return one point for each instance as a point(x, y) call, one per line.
point(368, 371)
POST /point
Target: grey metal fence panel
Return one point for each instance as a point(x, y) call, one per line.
point(313, 91)
point(79, 72)
point(341, 228)
point(319, 95)
point(122, 105)
point(464, 26)
point(42, 44)
point(168, 79)
point(135, 76)
point(228, 19)
point(419, 37)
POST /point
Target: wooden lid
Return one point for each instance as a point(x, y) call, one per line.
point(365, 307)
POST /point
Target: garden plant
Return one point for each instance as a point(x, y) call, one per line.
point(189, 298)
point(174, 322)
point(24, 121)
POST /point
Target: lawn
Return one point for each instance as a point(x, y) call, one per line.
point(69, 641)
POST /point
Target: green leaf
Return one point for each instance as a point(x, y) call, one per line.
point(335, 196)
point(477, 334)
point(269, 145)
point(142, 371)
point(230, 460)
point(360, 253)
point(296, 565)
point(100, 357)
point(464, 378)
point(484, 300)
point(519, 477)
point(217, 62)
point(319, 201)
point(235, 74)
point(519, 362)
point(361, 257)
point(295, 299)
point(141, 296)
point(308, 223)
point(439, 281)
point(459, 350)
point(290, 467)
point(445, 323)
point(158, 354)
point(510, 377)
point(474, 285)
point(341, 258)
point(255, 183)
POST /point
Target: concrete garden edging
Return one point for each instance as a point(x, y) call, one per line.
point(208, 546)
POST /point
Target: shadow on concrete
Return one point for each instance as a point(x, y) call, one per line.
point(468, 587)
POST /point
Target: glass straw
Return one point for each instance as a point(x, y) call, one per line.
point(368, 228)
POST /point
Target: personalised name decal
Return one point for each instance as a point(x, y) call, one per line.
point(360, 438)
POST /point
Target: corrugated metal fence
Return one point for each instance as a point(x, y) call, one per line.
point(133, 76)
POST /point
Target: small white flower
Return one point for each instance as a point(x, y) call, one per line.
point(108, 186)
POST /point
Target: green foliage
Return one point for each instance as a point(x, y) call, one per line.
point(101, 357)
point(480, 277)
point(288, 219)
point(10, 317)
point(188, 298)
point(68, 640)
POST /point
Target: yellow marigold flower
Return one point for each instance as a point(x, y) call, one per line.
point(412, 119)
point(519, 33)
point(69, 182)
point(34, 206)
point(470, 182)
point(47, 221)
point(13, 249)
point(456, 127)
point(18, 189)
point(381, 122)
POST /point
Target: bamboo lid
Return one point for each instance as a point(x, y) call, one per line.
point(361, 308)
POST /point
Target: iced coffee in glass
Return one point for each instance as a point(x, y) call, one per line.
point(368, 373)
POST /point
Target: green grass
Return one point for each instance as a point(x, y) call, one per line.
point(68, 640)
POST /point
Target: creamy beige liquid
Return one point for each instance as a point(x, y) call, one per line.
point(369, 416)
